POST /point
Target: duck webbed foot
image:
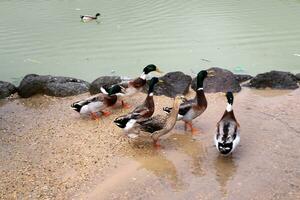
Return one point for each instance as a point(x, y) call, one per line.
point(94, 116)
point(156, 144)
point(105, 113)
point(193, 130)
point(125, 105)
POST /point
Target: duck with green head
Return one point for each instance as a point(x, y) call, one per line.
point(144, 110)
point(154, 127)
point(136, 85)
point(99, 102)
point(227, 136)
point(86, 18)
point(190, 109)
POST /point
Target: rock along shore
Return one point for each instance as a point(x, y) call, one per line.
point(173, 83)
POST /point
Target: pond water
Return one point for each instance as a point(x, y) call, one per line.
point(47, 37)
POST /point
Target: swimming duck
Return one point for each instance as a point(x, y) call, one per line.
point(154, 127)
point(86, 18)
point(227, 136)
point(146, 109)
point(190, 109)
point(99, 102)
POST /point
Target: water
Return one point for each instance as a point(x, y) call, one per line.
point(47, 37)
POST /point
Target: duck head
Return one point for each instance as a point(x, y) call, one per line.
point(115, 90)
point(97, 15)
point(229, 96)
point(153, 82)
point(202, 75)
point(151, 68)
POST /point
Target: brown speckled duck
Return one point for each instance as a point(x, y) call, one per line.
point(154, 127)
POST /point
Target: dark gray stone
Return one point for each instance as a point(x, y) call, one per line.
point(6, 89)
point(223, 81)
point(104, 81)
point(174, 83)
point(298, 76)
point(242, 77)
point(51, 85)
point(274, 79)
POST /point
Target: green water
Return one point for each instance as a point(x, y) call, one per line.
point(47, 37)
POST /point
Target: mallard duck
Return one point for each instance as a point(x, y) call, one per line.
point(190, 109)
point(86, 18)
point(227, 136)
point(136, 85)
point(146, 109)
point(154, 127)
point(99, 102)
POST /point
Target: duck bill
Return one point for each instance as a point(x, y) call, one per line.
point(158, 70)
point(211, 73)
point(160, 81)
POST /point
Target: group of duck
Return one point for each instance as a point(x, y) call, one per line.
point(140, 122)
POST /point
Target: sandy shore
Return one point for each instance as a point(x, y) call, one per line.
point(49, 152)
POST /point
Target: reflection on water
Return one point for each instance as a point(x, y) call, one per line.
point(47, 37)
point(156, 162)
point(193, 149)
point(225, 168)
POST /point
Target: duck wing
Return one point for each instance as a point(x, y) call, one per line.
point(153, 124)
point(98, 97)
point(186, 106)
point(137, 83)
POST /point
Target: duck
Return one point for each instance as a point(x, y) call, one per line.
point(136, 85)
point(191, 109)
point(227, 136)
point(86, 18)
point(146, 109)
point(98, 102)
point(154, 127)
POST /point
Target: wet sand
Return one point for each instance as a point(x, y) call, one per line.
point(49, 152)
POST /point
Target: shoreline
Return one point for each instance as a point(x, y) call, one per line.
point(48, 151)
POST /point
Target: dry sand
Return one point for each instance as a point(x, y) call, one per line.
point(49, 152)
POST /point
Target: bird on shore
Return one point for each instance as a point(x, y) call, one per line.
point(86, 18)
point(154, 127)
point(190, 109)
point(136, 85)
point(144, 110)
point(227, 136)
point(98, 103)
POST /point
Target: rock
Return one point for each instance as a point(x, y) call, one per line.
point(51, 85)
point(103, 81)
point(6, 89)
point(173, 83)
point(242, 77)
point(298, 76)
point(223, 81)
point(274, 79)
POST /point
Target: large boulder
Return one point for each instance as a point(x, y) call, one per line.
point(51, 85)
point(174, 83)
point(6, 89)
point(223, 81)
point(104, 81)
point(298, 76)
point(242, 77)
point(274, 79)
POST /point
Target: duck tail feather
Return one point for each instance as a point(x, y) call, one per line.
point(167, 109)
